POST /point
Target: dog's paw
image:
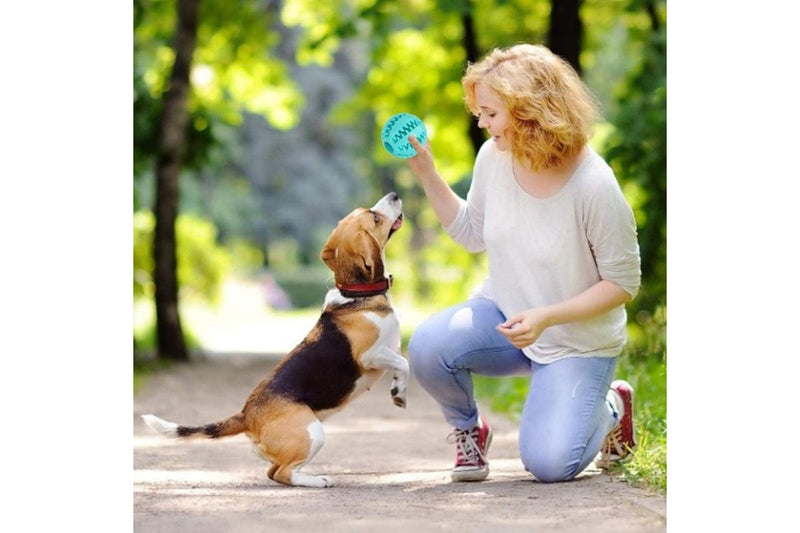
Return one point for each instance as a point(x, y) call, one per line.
point(300, 479)
point(399, 400)
point(398, 390)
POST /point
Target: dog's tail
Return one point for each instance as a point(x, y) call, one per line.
point(225, 428)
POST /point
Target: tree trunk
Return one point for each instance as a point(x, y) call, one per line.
point(171, 343)
point(565, 36)
point(470, 41)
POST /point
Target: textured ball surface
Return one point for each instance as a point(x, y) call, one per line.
point(396, 131)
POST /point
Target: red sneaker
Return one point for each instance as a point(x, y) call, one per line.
point(471, 448)
point(620, 442)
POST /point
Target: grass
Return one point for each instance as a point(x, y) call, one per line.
point(143, 368)
point(648, 467)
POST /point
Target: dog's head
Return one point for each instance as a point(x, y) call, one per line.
point(354, 251)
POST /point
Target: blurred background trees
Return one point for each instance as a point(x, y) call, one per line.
point(285, 104)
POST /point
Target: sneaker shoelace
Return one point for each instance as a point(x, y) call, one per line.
point(613, 446)
point(468, 451)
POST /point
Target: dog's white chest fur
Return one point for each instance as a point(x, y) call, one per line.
point(380, 357)
point(388, 337)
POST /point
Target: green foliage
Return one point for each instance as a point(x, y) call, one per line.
point(644, 364)
point(143, 264)
point(637, 150)
point(435, 95)
point(450, 272)
point(232, 66)
point(411, 56)
point(648, 467)
point(233, 70)
point(246, 259)
point(416, 61)
point(143, 368)
point(202, 263)
point(306, 287)
point(145, 333)
point(504, 395)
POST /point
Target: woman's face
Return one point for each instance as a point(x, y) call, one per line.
point(492, 115)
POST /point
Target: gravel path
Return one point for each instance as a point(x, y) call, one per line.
point(390, 466)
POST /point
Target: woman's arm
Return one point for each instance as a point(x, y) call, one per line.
point(444, 201)
point(524, 328)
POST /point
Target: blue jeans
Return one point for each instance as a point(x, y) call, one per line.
point(566, 415)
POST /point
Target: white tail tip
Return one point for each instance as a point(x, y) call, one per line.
point(162, 426)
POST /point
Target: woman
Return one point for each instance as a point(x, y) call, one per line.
point(563, 260)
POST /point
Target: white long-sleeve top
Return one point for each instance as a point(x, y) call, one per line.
point(543, 251)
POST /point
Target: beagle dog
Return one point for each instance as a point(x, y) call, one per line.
point(354, 342)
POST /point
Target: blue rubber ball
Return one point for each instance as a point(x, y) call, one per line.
point(396, 131)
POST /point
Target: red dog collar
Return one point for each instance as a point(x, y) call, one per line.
point(366, 289)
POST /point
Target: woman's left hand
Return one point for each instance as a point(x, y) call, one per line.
point(523, 329)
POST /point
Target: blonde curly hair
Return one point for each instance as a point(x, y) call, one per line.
point(551, 110)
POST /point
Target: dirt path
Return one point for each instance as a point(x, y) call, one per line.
point(390, 467)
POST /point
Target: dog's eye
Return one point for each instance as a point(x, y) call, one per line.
point(377, 217)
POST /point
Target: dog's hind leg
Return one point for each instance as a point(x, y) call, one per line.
point(294, 447)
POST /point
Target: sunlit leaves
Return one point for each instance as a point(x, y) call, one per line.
point(202, 263)
point(320, 21)
point(503, 23)
point(234, 67)
point(412, 72)
point(156, 73)
point(408, 56)
point(637, 149)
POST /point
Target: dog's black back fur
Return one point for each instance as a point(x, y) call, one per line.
point(320, 374)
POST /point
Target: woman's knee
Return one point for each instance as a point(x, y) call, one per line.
point(550, 462)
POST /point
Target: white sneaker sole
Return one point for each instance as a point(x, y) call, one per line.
point(472, 474)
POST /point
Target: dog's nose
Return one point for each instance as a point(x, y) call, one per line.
point(393, 197)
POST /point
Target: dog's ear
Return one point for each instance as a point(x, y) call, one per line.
point(328, 253)
point(367, 248)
